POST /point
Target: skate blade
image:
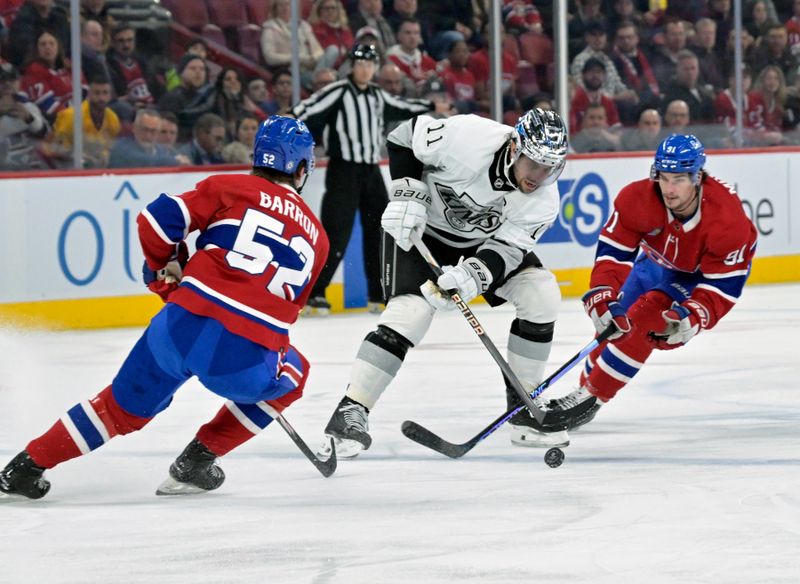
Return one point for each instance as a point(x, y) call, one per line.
point(312, 312)
point(345, 449)
point(530, 438)
point(173, 487)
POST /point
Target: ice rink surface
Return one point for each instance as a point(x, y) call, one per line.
point(691, 475)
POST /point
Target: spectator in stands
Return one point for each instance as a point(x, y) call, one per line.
point(35, 17)
point(21, 123)
point(754, 133)
point(771, 85)
point(409, 57)
point(541, 100)
point(479, 65)
point(230, 103)
point(329, 22)
point(168, 132)
point(209, 138)
point(676, 117)
point(759, 20)
point(686, 87)
point(447, 21)
point(129, 73)
point(625, 11)
point(400, 10)
point(192, 99)
point(720, 12)
point(142, 150)
point(748, 49)
point(590, 91)
point(370, 13)
point(323, 77)
point(586, 11)
point(635, 72)
point(594, 135)
point(48, 77)
point(277, 40)
point(665, 59)
point(197, 46)
point(521, 16)
point(258, 93)
point(93, 57)
point(647, 135)
point(98, 10)
point(774, 50)
point(458, 80)
point(712, 71)
point(240, 151)
point(101, 126)
point(793, 28)
point(390, 78)
point(613, 86)
point(281, 101)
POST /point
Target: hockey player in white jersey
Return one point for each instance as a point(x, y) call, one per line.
point(474, 189)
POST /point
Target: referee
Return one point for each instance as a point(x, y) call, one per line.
point(350, 115)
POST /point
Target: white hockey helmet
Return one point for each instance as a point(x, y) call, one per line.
point(542, 136)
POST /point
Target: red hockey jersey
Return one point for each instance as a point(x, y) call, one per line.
point(259, 252)
point(715, 246)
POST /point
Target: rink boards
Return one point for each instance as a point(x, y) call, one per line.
point(71, 258)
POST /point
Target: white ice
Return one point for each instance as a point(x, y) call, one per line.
point(690, 475)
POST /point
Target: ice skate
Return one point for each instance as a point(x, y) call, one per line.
point(375, 307)
point(194, 471)
point(316, 306)
point(573, 410)
point(23, 478)
point(526, 431)
point(349, 429)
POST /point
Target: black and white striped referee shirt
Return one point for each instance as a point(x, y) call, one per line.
point(351, 120)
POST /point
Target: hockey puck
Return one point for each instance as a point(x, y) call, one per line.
point(554, 457)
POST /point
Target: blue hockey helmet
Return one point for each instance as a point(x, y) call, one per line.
point(679, 153)
point(282, 144)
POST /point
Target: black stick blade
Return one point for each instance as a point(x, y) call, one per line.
point(326, 467)
point(425, 437)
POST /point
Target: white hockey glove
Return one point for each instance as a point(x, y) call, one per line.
point(407, 211)
point(683, 321)
point(469, 279)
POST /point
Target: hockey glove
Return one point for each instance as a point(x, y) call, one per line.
point(602, 307)
point(469, 279)
point(407, 211)
point(166, 280)
point(683, 321)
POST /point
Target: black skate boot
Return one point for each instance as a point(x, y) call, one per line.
point(573, 410)
point(194, 471)
point(316, 306)
point(23, 477)
point(349, 429)
point(526, 431)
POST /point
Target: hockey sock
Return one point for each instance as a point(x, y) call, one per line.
point(234, 424)
point(379, 359)
point(614, 365)
point(85, 427)
point(529, 346)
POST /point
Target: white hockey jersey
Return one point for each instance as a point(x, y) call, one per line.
point(473, 201)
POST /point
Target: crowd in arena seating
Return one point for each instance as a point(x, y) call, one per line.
point(194, 92)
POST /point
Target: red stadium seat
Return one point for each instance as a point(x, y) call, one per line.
point(536, 49)
point(190, 13)
point(527, 80)
point(511, 45)
point(227, 13)
point(258, 11)
point(213, 34)
point(250, 42)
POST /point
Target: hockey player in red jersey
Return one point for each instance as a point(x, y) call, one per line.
point(671, 262)
point(226, 319)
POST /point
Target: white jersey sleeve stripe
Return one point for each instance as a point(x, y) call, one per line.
point(616, 244)
point(157, 228)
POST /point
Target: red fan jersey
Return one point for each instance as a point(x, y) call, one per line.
point(259, 252)
point(716, 245)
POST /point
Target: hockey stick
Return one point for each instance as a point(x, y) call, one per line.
point(425, 437)
point(326, 467)
point(476, 326)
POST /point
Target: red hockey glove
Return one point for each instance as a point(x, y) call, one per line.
point(683, 321)
point(602, 307)
point(166, 280)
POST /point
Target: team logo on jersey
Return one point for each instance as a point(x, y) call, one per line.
point(464, 214)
